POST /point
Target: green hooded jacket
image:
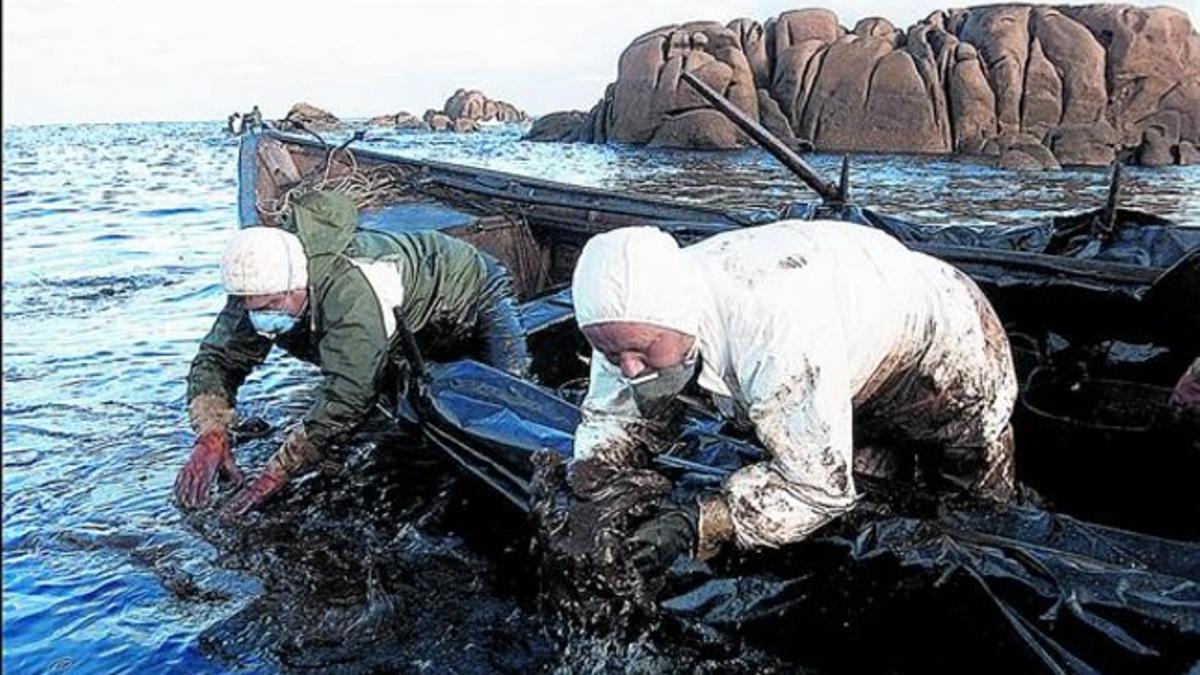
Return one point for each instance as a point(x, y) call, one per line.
point(345, 332)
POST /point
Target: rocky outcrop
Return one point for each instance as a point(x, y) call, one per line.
point(306, 116)
point(401, 120)
point(473, 105)
point(1023, 152)
point(1085, 83)
point(1188, 153)
point(568, 126)
point(438, 120)
point(463, 113)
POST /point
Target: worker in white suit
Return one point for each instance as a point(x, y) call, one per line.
point(822, 335)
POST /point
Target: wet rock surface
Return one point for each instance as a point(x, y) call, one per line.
point(1025, 153)
point(1086, 82)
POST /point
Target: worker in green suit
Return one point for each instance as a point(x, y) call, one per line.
point(325, 291)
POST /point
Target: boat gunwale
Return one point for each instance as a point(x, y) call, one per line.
point(1080, 270)
point(468, 171)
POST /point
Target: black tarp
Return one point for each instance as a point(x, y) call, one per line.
point(1137, 238)
point(908, 581)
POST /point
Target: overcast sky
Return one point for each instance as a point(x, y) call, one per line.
point(138, 60)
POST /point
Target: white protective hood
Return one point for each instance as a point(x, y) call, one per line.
point(636, 274)
point(262, 261)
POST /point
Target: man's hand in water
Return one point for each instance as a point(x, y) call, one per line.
point(296, 453)
point(249, 497)
point(210, 455)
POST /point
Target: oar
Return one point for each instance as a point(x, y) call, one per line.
point(790, 158)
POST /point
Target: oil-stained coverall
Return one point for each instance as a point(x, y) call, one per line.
point(821, 335)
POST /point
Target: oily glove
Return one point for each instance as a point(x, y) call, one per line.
point(584, 512)
point(296, 453)
point(255, 493)
point(692, 521)
point(210, 455)
point(586, 508)
point(670, 533)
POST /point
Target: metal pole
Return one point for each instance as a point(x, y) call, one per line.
point(790, 158)
point(1111, 205)
point(844, 182)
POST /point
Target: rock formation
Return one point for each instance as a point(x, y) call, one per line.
point(568, 126)
point(1033, 85)
point(437, 120)
point(473, 105)
point(303, 115)
point(401, 120)
point(463, 112)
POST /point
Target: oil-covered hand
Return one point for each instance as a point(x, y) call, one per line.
point(255, 493)
point(672, 532)
point(210, 455)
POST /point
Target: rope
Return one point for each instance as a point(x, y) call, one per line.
point(366, 187)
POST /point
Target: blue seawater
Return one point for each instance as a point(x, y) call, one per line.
point(112, 235)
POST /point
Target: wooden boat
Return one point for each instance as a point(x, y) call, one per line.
point(1112, 293)
point(1102, 317)
point(1069, 291)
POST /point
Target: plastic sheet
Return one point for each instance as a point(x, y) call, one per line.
point(1137, 238)
point(993, 586)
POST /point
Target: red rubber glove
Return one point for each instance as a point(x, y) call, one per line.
point(255, 493)
point(210, 455)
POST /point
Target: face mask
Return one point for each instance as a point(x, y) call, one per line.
point(272, 322)
point(654, 392)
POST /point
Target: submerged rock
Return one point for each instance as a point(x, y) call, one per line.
point(465, 125)
point(1085, 81)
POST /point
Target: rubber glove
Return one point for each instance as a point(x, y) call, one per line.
point(672, 532)
point(210, 455)
point(249, 497)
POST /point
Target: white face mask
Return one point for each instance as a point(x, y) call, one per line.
point(654, 392)
point(271, 322)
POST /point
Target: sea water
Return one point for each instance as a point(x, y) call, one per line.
point(112, 234)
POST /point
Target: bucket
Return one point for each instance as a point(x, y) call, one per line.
point(1108, 450)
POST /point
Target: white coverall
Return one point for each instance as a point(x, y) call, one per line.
point(807, 329)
